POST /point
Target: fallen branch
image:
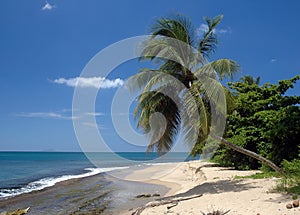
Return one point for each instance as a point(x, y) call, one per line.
point(174, 202)
point(172, 205)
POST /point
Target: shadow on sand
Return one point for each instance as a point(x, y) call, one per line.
point(220, 186)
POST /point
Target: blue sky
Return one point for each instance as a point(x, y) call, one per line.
point(44, 46)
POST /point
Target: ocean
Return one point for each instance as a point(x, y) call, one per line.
point(24, 172)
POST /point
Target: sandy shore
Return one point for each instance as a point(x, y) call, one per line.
point(219, 188)
point(113, 195)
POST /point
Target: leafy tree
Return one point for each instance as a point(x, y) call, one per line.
point(265, 121)
point(172, 46)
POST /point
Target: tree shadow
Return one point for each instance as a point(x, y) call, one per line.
point(219, 186)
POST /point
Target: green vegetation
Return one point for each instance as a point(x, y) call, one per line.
point(291, 181)
point(267, 121)
point(264, 120)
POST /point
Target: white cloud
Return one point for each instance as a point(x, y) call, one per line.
point(62, 114)
point(273, 60)
point(94, 82)
point(95, 114)
point(45, 115)
point(223, 31)
point(48, 6)
point(204, 28)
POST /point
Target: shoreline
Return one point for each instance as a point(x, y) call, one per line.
point(116, 193)
point(101, 193)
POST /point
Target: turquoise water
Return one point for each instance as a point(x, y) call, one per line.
point(23, 172)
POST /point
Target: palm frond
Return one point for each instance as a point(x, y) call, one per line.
point(230, 100)
point(138, 81)
point(167, 49)
point(195, 119)
point(214, 99)
point(209, 42)
point(178, 27)
point(162, 130)
point(222, 67)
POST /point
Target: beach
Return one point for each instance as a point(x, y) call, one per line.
point(111, 194)
point(220, 189)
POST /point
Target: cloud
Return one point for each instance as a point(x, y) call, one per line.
point(45, 115)
point(92, 82)
point(204, 28)
point(48, 6)
point(273, 60)
point(95, 114)
point(62, 114)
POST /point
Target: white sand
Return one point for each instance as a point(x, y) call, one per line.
point(219, 188)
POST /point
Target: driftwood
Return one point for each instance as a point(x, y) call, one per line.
point(206, 165)
point(173, 203)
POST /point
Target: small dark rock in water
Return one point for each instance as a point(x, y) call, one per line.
point(296, 203)
point(289, 206)
point(143, 195)
point(156, 195)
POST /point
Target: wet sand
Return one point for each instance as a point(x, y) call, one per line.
point(98, 194)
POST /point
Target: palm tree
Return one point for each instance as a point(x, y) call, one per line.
point(182, 57)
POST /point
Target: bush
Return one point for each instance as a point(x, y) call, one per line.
point(291, 181)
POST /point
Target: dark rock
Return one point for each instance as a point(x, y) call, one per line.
point(143, 196)
point(296, 203)
point(289, 206)
point(156, 195)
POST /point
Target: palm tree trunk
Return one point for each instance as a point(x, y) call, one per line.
point(248, 153)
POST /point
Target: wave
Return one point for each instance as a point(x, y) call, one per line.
point(51, 181)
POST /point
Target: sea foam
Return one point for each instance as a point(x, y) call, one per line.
point(51, 181)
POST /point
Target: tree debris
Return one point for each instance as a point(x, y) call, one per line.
point(173, 203)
